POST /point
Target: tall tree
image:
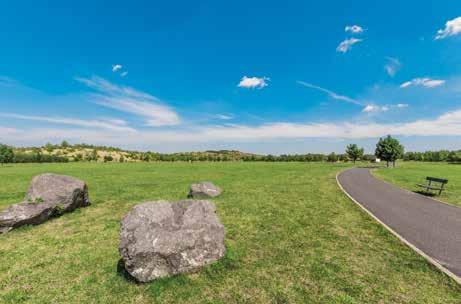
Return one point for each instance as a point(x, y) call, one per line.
point(332, 157)
point(354, 152)
point(389, 149)
point(65, 144)
point(6, 154)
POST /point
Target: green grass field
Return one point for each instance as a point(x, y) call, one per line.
point(408, 174)
point(292, 237)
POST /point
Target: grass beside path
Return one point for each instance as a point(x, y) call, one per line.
point(292, 237)
point(408, 174)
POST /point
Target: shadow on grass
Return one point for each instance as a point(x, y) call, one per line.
point(213, 271)
point(121, 271)
point(425, 193)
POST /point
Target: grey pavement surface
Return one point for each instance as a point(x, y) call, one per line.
point(431, 226)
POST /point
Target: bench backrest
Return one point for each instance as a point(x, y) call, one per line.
point(437, 180)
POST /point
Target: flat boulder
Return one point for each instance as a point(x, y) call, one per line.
point(204, 190)
point(48, 195)
point(162, 238)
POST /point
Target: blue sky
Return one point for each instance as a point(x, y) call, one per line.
point(254, 76)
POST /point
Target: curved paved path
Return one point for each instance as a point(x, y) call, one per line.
point(432, 227)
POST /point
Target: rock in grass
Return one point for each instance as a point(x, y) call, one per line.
point(204, 190)
point(48, 195)
point(161, 238)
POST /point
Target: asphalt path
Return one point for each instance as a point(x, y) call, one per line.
point(432, 227)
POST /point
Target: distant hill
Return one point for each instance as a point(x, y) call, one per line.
point(83, 152)
point(66, 152)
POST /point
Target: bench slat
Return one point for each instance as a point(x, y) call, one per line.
point(429, 187)
point(438, 180)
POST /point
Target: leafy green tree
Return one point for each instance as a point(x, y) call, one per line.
point(65, 144)
point(454, 157)
point(108, 158)
point(93, 156)
point(6, 154)
point(332, 157)
point(38, 155)
point(78, 157)
point(49, 147)
point(389, 149)
point(354, 152)
point(343, 158)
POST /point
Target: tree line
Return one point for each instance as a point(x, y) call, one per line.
point(387, 149)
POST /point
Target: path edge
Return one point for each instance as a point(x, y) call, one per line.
point(401, 238)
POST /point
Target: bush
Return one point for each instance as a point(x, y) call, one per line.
point(6, 154)
point(39, 158)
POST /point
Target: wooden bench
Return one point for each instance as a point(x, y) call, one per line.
point(429, 186)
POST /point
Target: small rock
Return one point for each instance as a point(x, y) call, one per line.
point(161, 238)
point(48, 195)
point(204, 190)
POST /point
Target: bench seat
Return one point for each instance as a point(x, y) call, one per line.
point(429, 187)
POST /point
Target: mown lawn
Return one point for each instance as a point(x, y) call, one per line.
point(292, 237)
point(408, 174)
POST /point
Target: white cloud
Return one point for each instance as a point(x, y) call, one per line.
point(108, 124)
point(224, 116)
point(346, 45)
point(253, 82)
point(452, 27)
point(425, 82)
point(123, 74)
point(448, 124)
point(355, 29)
point(392, 66)
point(371, 108)
point(330, 93)
point(116, 67)
point(132, 101)
point(156, 115)
point(115, 121)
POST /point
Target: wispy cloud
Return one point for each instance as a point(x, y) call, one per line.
point(156, 115)
point(123, 74)
point(347, 44)
point(224, 116)
point(253, 82)
point(132, 101)
point(116, 67)
point(331, 93)
point(367, 107)
point(392, 66)
point(375, 108)
point(355, 29)
point(108, 124)
point(448, 124)
point(424, 82)
point(452, 28)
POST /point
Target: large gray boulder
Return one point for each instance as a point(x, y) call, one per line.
point(48, 195)
point(204, 190)
point(161, 238)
